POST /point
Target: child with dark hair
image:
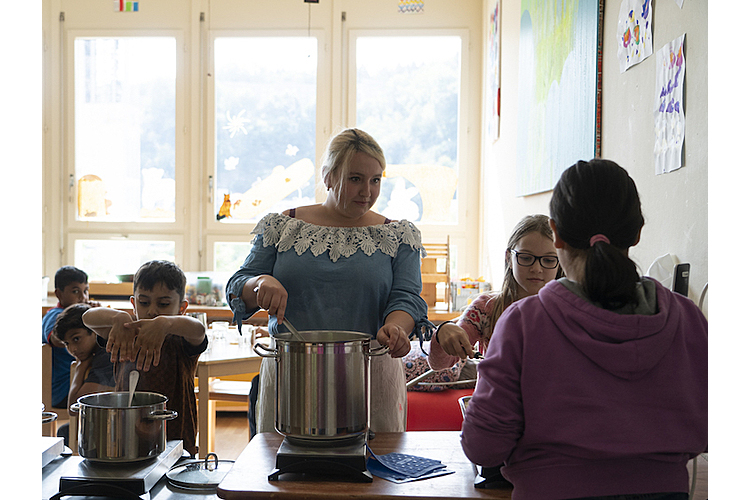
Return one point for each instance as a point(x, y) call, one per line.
point(92, 370)
point(71, 287)
point(598, 385)
point(162, 344)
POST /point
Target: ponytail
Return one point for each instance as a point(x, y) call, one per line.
point(597, 210)
point(610, 276)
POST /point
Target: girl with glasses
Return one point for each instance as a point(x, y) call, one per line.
point(530, 262)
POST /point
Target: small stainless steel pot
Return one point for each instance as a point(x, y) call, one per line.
point(48, 416)
point(111, 431)
point(322, 384)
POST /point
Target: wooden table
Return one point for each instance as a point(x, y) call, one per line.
point(220, 359)
point(248, 478)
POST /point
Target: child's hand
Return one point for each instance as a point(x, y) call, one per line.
point(148, 342)
point(121, 339)
point(395, 338)
point(455, 341)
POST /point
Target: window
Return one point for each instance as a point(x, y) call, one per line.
point(125, 128)
point(407, 98)
point(129, 255)
point(169, 132)
point(265, 112)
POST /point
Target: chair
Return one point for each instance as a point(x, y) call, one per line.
point(436, 270)
point(49, 429)
point(236, 391)
point(73, 423)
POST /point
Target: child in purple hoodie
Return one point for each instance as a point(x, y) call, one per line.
point(598, 385)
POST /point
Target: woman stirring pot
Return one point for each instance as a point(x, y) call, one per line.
point(339, 266)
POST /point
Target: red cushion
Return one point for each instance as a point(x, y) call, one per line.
point(435, 411)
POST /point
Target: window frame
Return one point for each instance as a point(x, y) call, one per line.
point(182, 169)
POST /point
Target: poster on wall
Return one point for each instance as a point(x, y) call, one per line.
point(559, 88)
point(493, 74)
point(669, 115)
point(634, 42)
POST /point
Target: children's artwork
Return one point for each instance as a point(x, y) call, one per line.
point(558, 89)
point(669, 116)
point(126, 5)
point(493, 75)
point(410, 6)
point(634, 33)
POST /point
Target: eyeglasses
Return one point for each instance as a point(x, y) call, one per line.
point(527, 260)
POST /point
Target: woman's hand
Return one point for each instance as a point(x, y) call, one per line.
point(271, 296)
point(395, 337)
point(148, 341)
point(454, 341)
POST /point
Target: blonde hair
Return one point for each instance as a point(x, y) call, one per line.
point(340, 151)
point(508, 293)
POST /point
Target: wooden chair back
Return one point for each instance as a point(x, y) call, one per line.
point(49, 429)
point(436, 267)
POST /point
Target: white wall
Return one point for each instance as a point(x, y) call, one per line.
point(674, 204)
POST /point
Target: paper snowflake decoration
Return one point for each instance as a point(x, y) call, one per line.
point(236, 124)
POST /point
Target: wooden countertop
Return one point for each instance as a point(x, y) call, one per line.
point(248, 478)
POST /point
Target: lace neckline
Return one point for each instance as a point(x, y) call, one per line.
point(287, 233)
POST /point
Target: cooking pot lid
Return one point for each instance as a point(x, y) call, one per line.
point(200, 474)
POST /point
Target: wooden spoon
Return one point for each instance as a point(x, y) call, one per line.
point(134, 375)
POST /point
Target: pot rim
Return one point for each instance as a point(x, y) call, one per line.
point(353, 337)
point(99, 395)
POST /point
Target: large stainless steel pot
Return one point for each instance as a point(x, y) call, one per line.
point(111, 431)
point(322, 384)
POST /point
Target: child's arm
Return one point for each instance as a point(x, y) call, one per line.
point(79, 387)
point(102, 319)
point(113, 325)
point(152, 332)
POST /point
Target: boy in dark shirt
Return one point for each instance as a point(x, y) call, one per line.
point(162, 344)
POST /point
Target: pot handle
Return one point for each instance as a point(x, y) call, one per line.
point(258, 345)
point(378, 351)
point(162, 415)
point(75, 407)
point(48, 416)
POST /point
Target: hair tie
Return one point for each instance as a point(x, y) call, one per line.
point(598, 237)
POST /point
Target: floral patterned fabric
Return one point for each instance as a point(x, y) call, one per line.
point(415, 364)
point(475, 321)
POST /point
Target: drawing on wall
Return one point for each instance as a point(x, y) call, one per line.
point(493, 75)
point(634, 42)
point(125, 6)
point(411, 6)
point(558, 89)
point(669, 116)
